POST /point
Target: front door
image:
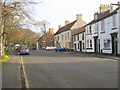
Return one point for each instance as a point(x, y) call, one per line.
point(75, 47)
point(80, 46)
point(114, 44)
point(96, 44)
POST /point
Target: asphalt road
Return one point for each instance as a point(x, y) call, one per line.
point(46, 69)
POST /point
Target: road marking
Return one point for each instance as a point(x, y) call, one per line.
point(26, 80)
point(110, 59)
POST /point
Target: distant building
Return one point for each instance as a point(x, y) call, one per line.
point(46, 40)
point(79, 40)
point(63, 37)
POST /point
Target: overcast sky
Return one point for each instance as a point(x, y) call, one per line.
point(57, 11)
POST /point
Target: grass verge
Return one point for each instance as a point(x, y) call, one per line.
point(5, 57)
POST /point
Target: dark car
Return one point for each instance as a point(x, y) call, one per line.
point(24, 50)
point(61, 49)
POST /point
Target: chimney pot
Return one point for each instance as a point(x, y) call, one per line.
point(67, 22)
point(79, 16)
point(51, 30)
point(59, 26)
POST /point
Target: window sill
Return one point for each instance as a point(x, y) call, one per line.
point(96, 33)
point(102, 32)
point(89, 34)
point(106, 49)
point(114, 28)
point(89, 48)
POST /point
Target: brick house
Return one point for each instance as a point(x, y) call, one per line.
point(46, 40)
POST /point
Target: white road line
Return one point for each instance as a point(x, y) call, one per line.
point(26, 79)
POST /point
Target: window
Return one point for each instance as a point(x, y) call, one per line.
point(68, 35)
point(114, 21)
point(102, 26)
point(89, 43)
point(83, 46)
point(106, 44)
point(90, 29)
point(96, 28)
point(87, 30)
point(83, 36)
point(74, 38)
point(65, 36)
point(78, 37)
point(58, 37)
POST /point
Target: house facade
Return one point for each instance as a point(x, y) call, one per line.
point(63, 37)
point(102, 35)
point(108, 33)
point(79, 40)
point(46, 40)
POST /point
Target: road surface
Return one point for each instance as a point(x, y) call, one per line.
point(48, 69)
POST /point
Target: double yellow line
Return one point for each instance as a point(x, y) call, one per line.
point(25, 76)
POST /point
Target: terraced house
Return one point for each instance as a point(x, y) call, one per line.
point(63, 37)
point(102, 34)
point(79, 40)
point(108, 31)
point(92, 30)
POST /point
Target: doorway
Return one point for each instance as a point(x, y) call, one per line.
point(114, 44)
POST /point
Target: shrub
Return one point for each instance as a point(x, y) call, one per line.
point(5, 58)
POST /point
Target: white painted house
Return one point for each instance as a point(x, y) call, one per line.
point(79, 40)
point(108, 32)
point(91, 33)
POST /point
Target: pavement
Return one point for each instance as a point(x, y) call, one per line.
point(107, 56)
point(10, 73)
point(47, 69)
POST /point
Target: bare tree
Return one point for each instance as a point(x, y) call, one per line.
point(14, 8)
point(43, 25)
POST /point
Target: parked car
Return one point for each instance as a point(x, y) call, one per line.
point(24, 50)
point(61, 49)
point(17, 46)
point(50, 48)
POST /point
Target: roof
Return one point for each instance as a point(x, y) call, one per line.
point(82, 29)
point(105, 15)
point(65, 28)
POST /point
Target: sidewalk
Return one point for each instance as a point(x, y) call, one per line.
point(95, 55)
point(10, 73)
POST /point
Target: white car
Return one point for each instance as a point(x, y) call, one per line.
point(17, 46)
point(50, 48)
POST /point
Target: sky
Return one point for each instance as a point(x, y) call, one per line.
point(57, 11)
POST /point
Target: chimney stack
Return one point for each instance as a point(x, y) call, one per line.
point(79, 16)
point(59, 26)
point(51, 30)
point(67, 22)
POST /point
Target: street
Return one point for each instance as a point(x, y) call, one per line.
point(47, 69)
